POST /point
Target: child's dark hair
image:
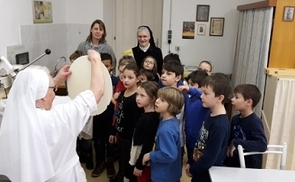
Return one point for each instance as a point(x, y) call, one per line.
point(197, 76)
point(174, 97)
point(151, 88)
point(76, 55)
point(106, 56)
point(220, 85)
point(174, 66)
point(170, 57)
point(249, 91)
point(149, 74)
point(155, 68)
point(133, 67)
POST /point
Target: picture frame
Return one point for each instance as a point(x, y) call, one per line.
point(202, 13)
point(188, 30)
point(288, 13)
point(201, 29)
point(216, 26)
point(42, 12)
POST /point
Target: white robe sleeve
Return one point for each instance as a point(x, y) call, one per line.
point(74, 114)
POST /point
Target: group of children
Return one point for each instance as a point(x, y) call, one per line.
point(152, 117)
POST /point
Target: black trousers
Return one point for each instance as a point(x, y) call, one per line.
point(103, 148)
point(124, 166)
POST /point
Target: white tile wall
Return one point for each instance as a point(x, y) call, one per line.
point(76, 33)
point(61, 39)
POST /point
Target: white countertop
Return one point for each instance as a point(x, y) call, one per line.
point(228, 174)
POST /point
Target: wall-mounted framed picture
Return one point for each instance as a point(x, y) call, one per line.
point(202, 12)
point(201, 29)
point(288, 13)
point(216, 26)
point(188, 30)
point(42, 12)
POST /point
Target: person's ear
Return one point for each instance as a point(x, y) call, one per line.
point(177, 78)
point(220, 98)
point(154, 99)
point(138, 78)
point(249, 102)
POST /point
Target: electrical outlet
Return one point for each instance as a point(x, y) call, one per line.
point(177, 48)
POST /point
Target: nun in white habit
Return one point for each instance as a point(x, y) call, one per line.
point(37, 142)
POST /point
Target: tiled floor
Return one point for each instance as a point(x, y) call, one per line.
point(103, 177)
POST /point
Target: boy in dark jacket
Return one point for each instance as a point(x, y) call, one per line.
point(246, 128)
point(211, 146)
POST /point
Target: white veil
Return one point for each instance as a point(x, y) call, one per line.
point(24, 155)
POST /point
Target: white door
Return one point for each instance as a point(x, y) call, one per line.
point(128, 15)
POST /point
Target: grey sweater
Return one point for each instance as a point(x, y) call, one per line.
point(102, 48)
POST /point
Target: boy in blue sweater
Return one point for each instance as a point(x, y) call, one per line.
point(171, 76)
point(194, 111)
point(166, 158)
point(246, 128)
point(210, 149)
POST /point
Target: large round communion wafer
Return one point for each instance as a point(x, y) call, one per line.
point(79, 81)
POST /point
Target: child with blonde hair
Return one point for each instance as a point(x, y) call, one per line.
point(166, 158)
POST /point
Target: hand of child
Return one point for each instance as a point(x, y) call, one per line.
point(187, 171)
point(183, 88)
point(230, 150)
point(114, 100)
point(146, 158)
point(112, 139)
point(116, 95)
point(137, 172)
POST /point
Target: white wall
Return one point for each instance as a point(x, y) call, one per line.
point(77, 15)
point(219, 50)
point(81, 11)
point(19, 12)
point(71, 21)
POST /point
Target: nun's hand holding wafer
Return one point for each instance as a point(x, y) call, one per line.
point(93, 55)
point(62, 75)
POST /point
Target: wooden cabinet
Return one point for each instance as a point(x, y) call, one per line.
point(281, 54)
